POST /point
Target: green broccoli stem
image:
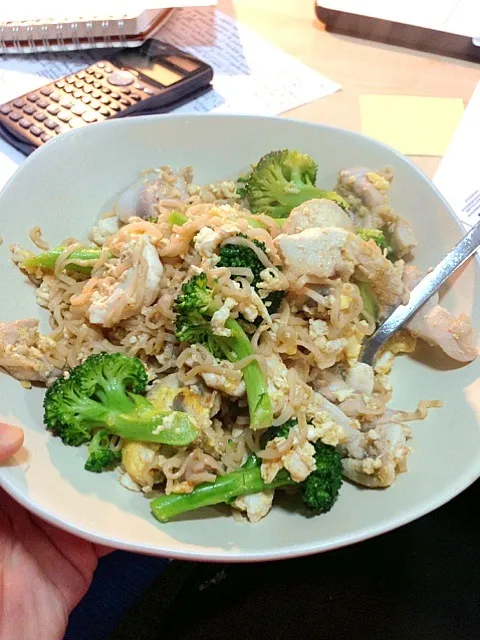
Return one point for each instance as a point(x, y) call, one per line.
point(177, 218)
point(48, 259)
point(143, 422)
point(290, 200)
point(225, 489)
point(236, 347)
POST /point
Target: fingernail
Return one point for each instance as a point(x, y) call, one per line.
point(11, 439)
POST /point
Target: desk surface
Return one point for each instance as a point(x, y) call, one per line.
point(359, 66)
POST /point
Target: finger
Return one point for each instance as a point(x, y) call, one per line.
point(11, 440)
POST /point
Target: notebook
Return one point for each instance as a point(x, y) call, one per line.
point(99, 24)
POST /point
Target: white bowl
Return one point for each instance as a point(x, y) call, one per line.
point(65, 185)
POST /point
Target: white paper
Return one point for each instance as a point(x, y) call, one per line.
point(458, 175)
point(251, 75)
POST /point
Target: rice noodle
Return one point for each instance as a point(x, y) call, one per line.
point(35, 235)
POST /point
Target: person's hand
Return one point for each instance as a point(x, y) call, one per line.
point(44, 572)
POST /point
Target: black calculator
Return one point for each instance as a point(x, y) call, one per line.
point(153, 78)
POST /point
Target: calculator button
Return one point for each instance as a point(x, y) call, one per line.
point(135, 96)
point(70, 79)
point(15, 116)
point(39, 116)
point(65, 102)
point(140, 87)
point(81, 75)
point(89, 117)
point(19, 103)
point(100, 65)
point(98, 75)
point(95, 104)
point(55, 96)
point(97, 85)
point(53, 109)
point(88, 89)
point(50, 124)
point(106, 90)
point(115, 107)
point(96, 94)
point(108, 69)
point(6, 109)
point(29, 109)
point(45, 137)
point(69, 89)
point(33, 97)
point(60, 84)
point(89, 79)
point(78, 109)
point(79, 84)
point(104, 111)
point(77, 94)
point(46, 91)
point(150, 92)
point(121, 78)
point(114, 95)
point(36, 131)
point(126, 91)
point(62, 128)
point(105, 100)
point(86, 99)
point(125, 102)
point(64, 116)
point(42, 103)
point(91, 70)
point(24, 123)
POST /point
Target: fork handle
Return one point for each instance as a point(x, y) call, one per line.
point(422, 292)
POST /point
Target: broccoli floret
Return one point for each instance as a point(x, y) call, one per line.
point(47, 259)
point(318, 491)
point(195, 306)
point(101, 455)
point(104, 392)
point(379, 238)
point(280, 181)
point(152, 219)
point(236, 255)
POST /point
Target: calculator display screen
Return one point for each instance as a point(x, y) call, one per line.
point(152, 68)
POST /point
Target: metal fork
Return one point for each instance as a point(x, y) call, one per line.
point(423, 291)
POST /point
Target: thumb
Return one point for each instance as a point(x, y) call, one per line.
point(11, 440)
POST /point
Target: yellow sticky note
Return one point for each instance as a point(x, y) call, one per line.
point(412, 125)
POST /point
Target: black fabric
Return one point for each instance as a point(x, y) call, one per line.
point(420, 582)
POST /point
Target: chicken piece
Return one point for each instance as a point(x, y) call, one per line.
point(104, 228)
point(360, 377)
point(206, 242)
point(403, 240)
point(334, 252)
point(366, 194)
point(141, 198)
point(256, 505)
point(317, 213)
point(142, 461)
point(112, 298)
point(350, 440)
point(385, 455)
point(436, 326)
point(23, 349)
point(278, 387)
